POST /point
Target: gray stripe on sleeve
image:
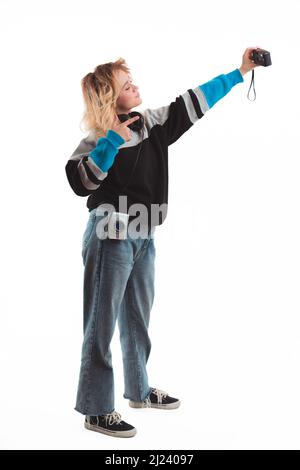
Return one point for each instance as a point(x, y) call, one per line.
point(87, 183)
point(202, 99)
point(95, 169)
point(160, 115)
point(190, 107)
point(156, 116)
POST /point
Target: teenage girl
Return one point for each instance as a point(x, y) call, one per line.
point(126, 154)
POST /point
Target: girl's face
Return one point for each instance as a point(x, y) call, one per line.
point(129, 96)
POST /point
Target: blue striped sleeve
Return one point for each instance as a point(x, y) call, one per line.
point(106, 149)
point(219, 86)
point(187, 108)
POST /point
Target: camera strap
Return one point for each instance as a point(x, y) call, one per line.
point(252, 81)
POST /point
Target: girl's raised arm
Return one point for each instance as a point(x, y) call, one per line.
point(177, 117)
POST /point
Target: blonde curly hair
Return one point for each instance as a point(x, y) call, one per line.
point(100, 91)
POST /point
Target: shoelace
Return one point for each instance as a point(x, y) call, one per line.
point(147, 402)
point(113, 418)
point(160, 395)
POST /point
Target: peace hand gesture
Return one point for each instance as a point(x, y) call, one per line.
point(122, 127)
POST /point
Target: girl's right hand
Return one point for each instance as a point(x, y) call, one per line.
point(121, 127)
point(247, 61)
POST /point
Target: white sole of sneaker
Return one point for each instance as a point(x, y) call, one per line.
point(169, 406)
point(129, 433)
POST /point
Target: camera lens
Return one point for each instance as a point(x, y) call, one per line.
point(119, 225)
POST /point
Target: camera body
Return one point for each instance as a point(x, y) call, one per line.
point(261, 57)
point(118, 225)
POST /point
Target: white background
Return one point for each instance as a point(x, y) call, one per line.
point(225, 325)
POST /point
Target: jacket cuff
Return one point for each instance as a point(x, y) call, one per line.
point(235, 77)
point(114, 138)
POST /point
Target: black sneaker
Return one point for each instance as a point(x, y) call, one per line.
point(110, 424)
point(157, 399)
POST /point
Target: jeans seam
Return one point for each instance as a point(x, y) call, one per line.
point(143, 248)
point(134, 337)
point(88, 239)
point(95, 323)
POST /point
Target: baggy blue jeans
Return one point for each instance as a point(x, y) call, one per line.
point(118, 285)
